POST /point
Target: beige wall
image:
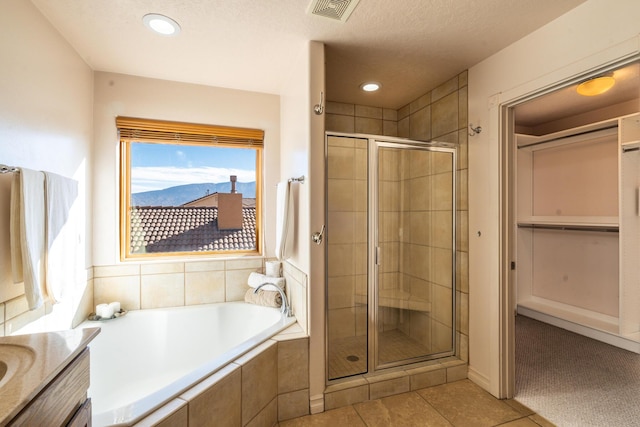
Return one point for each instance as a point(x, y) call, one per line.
point(593, 34)
point(45, 124)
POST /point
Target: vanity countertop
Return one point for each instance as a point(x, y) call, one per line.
point(29, 362)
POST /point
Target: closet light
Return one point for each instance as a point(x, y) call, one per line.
point(370, 86)
point(596, 86)
point(161, 24)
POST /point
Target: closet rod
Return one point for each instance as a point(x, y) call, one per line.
point(604, 228)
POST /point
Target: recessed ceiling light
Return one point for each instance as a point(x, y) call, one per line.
point(161, 24)
point(596, 86)
point(370, 86)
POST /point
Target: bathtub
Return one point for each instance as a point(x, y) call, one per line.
point(147, 357)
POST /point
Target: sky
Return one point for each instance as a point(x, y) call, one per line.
point(160, 166)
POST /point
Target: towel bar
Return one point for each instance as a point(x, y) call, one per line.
point(8, 169)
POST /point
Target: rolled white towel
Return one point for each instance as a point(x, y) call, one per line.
point(257, 279)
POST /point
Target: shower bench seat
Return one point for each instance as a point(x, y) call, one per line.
point(396, 298)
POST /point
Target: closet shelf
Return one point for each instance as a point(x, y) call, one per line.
point(589, 221)
point(570, 227)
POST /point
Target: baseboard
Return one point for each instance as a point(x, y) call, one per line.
point(316, 404)
point(586, 331)
point(479, 379)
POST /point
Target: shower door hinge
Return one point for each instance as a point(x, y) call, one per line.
point(378, 255)
point(513, 265)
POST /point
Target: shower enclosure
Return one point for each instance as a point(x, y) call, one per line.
point(390, 252)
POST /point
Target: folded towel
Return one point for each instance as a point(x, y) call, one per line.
point(266, 298)
point(257, 279)
point(27, 234)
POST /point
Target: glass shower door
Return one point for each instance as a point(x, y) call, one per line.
point(390, 243)
point(347, 243)
point(414, 254)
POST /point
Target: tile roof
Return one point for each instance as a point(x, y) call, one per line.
point(188, 229)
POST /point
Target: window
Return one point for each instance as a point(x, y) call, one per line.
point(188, 189)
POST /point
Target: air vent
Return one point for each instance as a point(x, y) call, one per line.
point(339, 10)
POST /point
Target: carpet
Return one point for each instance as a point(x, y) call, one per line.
point(572, 380)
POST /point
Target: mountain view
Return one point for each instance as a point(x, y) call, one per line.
point(181, 194)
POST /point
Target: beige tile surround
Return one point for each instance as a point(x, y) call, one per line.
point(267, 385)
point(163, 284)
point(175, 284)
point(362, 388)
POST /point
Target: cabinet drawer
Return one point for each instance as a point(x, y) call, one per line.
point(59, 401)
point(82, 418)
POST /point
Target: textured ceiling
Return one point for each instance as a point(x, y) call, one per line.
point(410, 46)
point(566, 102)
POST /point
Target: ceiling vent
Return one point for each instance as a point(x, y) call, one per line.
point(339, 10)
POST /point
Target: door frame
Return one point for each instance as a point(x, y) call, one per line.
point(508, 286)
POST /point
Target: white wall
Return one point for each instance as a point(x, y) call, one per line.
point(124, 95)
point(302, 153)
point(294, 152)
point(316, 222)
point(46, 102)
point(595, 33)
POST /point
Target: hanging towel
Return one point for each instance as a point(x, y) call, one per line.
point(257, 279)
point(62, 240)
point(282, 219)
point(27, 234)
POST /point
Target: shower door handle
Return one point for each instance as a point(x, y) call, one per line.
point(378, 255)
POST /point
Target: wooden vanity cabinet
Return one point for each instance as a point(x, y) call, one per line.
point(63, 402)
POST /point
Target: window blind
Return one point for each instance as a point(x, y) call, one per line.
point(136, 129)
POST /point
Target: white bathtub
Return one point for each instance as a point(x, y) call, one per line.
point(147, 357)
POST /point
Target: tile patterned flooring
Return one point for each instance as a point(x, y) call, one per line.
point(457, 404)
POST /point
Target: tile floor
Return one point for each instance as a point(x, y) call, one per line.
point(458, 404)
point(394, 346)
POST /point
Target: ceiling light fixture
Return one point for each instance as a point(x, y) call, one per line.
point(161, 24)
point(370, 86)
point(596, 86)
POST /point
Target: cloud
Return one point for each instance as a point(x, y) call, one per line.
point(158, 178)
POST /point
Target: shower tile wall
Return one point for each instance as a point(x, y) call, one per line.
point(438, 115)
point(351, 118)
point(347, 236)
point(427, 247)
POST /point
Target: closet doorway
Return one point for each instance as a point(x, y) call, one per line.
point(573, 232)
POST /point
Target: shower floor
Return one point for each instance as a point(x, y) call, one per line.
point(349, 355)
